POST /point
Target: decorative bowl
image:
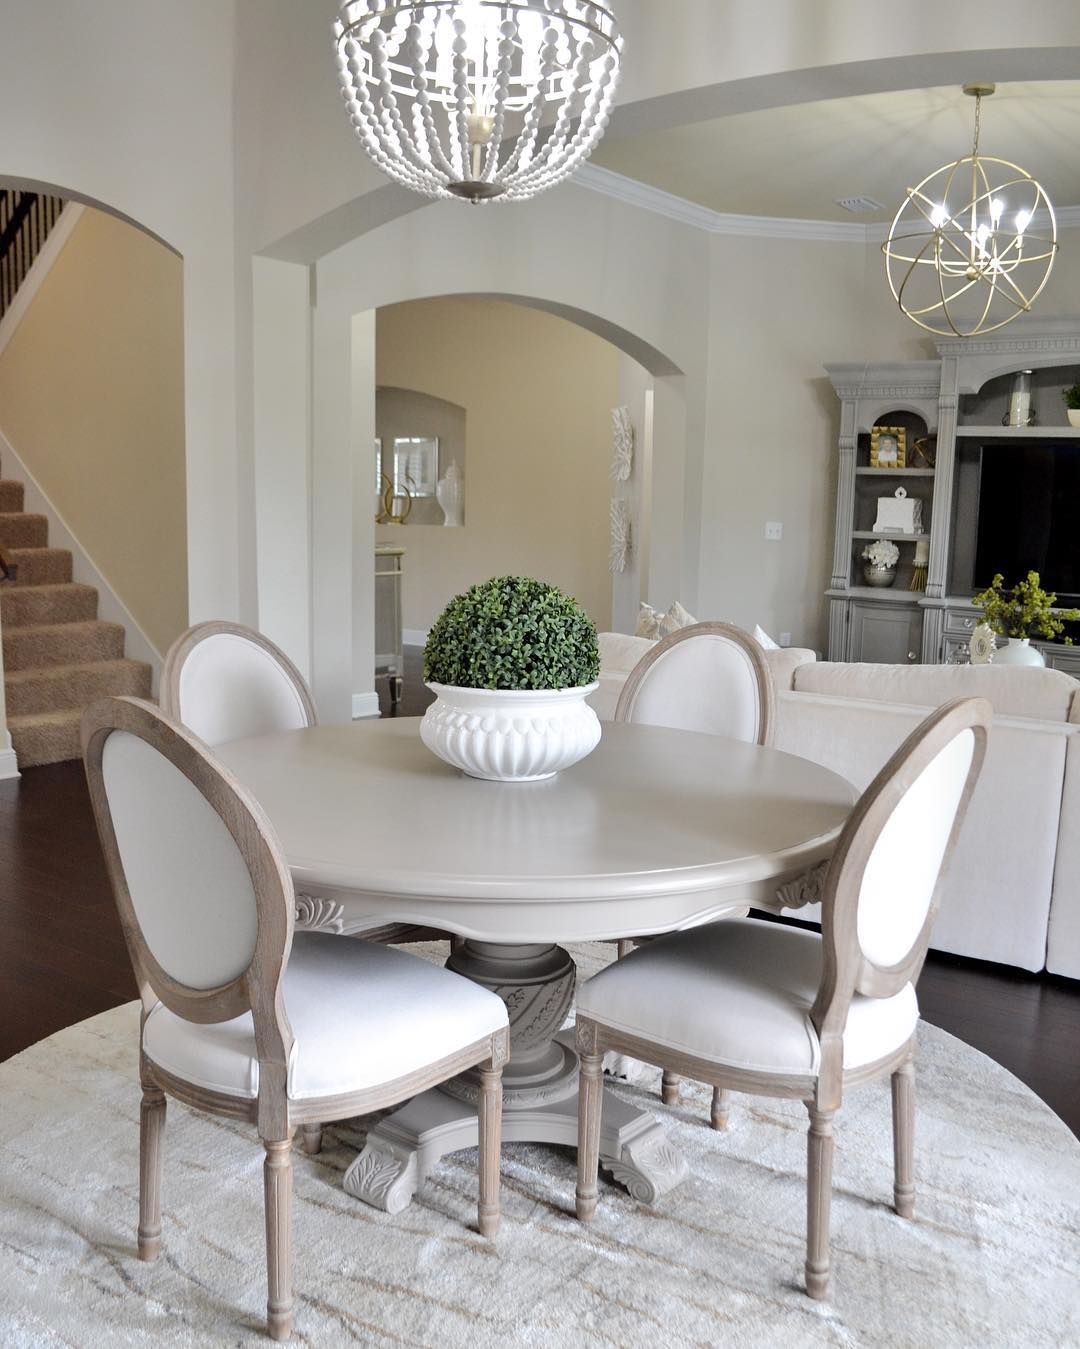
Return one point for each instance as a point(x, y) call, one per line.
point(510, 735)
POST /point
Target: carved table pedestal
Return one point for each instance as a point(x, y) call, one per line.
point(536, 981)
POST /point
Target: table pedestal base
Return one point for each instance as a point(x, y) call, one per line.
point(539, 1092)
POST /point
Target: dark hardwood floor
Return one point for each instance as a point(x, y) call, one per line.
point(64, 958)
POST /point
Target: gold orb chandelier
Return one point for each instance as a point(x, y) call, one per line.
point(967, 266)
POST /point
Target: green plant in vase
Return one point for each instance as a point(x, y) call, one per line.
point(511, 662)
point(1020, 613)
point(1071, 397)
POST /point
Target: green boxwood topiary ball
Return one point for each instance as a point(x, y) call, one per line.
point(512, 633)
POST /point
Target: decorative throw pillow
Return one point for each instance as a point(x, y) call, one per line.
point(764, 640)
point(675, 618)
point(648, 622)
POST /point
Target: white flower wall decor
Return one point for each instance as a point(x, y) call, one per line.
point(619, 552)
point(622, 446)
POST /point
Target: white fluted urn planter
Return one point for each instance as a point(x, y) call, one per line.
point(510, 735)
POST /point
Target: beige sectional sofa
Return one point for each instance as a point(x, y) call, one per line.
point(1014, 895)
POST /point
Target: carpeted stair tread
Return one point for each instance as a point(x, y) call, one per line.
point(11, 495)
point(20, 530)
point(40, 566)
point(73, 686)
point(62, 644)
point(46, 737)
point(29, 606)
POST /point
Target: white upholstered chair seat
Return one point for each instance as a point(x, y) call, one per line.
point(739, 993)
point(361, 1015)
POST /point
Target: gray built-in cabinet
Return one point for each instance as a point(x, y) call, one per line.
point(957, 404)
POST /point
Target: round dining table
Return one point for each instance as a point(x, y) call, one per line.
point(655, 830)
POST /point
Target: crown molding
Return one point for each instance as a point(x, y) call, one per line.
point(684, 212)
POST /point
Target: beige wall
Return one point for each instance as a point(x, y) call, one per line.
point(92, 400)
point(537, 393)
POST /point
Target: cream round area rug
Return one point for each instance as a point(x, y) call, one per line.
point(992, 1259)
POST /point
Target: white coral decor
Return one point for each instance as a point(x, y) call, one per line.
point(881, 553)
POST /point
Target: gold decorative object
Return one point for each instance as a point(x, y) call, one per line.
point(888, 447)
point(391, 513)
point(973, 266)
point(920, 565)
point(923, 452)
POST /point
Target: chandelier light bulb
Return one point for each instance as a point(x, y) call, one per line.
point(966, 271)
point(478, 99)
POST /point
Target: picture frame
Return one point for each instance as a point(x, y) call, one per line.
point(888, 447)
point(416, 465)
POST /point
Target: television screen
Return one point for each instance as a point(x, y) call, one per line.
point(1029, 515)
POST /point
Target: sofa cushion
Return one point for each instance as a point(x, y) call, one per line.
point(620, 653)
point(1014, 691)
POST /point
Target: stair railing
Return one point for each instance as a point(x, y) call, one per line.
point(25, 221)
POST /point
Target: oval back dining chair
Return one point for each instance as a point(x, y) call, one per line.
point(225, 681)
point(236, 1019)
point(774, 1010)
point(709, 677)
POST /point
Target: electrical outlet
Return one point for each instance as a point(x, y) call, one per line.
point(774, 530)
point(785, 639)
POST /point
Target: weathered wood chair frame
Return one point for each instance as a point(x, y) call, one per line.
point(846, 971)
point(258, 989)
point(670, 1082)
point(176, 658)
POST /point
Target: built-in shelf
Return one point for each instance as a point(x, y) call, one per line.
point(1018, 432)
point(889, 534)
point(894, 594)
point(895, 472)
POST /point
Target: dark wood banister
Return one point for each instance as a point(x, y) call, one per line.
point(19, 213)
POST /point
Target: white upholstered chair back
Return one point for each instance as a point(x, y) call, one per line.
point(225, 681)
point(709, 677)
point(189, 886)
point(204, 894)
point(885, 879)
point(901, 872)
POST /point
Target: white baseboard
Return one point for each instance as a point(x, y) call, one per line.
point(365, 705)
point(9, 764)
point(110, 606)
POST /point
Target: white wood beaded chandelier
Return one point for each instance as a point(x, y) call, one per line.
point(967, 268)
point(448, 96)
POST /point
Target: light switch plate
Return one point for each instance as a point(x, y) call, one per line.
point(774, 530)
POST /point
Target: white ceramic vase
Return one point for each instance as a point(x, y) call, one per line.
point(450, 494)
point(513, 735)
point(1074, 416)
point(1019, 651)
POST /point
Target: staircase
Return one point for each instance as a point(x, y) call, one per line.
point(58, 655)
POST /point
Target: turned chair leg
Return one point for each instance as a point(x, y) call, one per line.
point(590, 1109)
point(670, 1087)
point(277, 1194)
point(151, 1158)
point(312, 1136)
point(720, 1111)
point(819, 1160)
point(903, 1123)
point(490, 1111)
